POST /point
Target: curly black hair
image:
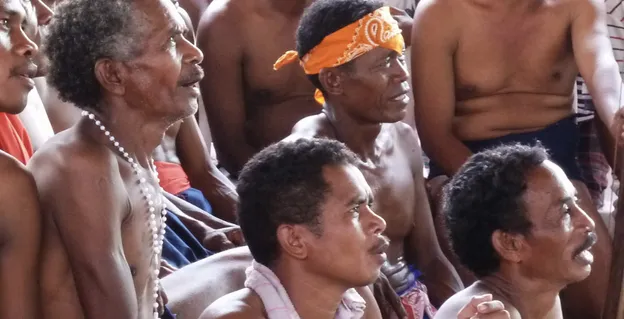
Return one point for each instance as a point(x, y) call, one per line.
point(284, 184)
point(486, 195)
point(324, 17)
point(81, 33)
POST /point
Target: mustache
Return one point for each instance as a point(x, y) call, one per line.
point(193, 76)
point(28, 69)
point(590, 241)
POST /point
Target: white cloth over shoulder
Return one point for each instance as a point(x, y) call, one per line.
point(277, 304)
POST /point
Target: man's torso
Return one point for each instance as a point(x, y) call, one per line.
point(58, 285)
point(514, 67)
point(274, 100)
point(391, 178)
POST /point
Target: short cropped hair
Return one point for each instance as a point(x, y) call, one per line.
point(284, 184)
point(487, 195)
point(324, 17)
point(81, 33)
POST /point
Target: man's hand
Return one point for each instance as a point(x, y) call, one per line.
point(405, 23)
point(166, 269)
point(223, 239)
point(389, 302)
point(617, 127)
point(162, 299)
point(483, 307)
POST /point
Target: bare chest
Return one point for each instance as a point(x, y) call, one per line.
point(265, 42)
point(392, 185)
point(505, 53)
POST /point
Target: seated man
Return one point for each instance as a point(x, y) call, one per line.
point(365, 97)
point(186, 167)
point(515, 221)
point(134, 75)
point(305, 212)
point(20, 220)
point(501, 72)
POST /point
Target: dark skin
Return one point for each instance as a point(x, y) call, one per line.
point(20, 234)
point(519, 78)
point(347, 219)
point(97, 250)
point(20, 217)
point(183, 144)
point(195, 9)
point(390, 159)
point(248, 104)
point(535, 267)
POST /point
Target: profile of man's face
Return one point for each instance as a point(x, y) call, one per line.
point(378, 86)
point(166, 73)
point(350, 248)
point(18, 28)
point(561, 233)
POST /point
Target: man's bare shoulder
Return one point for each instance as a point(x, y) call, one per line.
point(69, 160)
point(14, 175)
point(241, 304)
point(312, 126)
point(223, 15)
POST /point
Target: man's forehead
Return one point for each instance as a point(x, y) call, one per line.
point(346, 182)
point(159, 12)
point(549, 183)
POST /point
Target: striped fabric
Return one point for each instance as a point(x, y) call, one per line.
point(594, 167)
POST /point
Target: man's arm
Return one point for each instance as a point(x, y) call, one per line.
point(203, 173)
point(88, 211)
point(20, 231)
point(594, 57)
point(422, 246)
point(433, 82)
point(222, 88)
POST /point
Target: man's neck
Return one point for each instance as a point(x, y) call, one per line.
point(136, 133)
point(360, 137)
point(312, 296)
point(533, 298)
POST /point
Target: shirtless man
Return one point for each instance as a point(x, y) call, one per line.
point(248, 104)
point(104, 211)
point(305, 212)
point(186, 167)
point(20, 227)
point(503, 72)
point(515, 221)
point(365, 101)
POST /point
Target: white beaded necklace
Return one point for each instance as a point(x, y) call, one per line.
point(157, 235)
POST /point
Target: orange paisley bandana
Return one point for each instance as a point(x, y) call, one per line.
point(376, 29)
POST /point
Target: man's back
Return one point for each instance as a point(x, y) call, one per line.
point(249, 105)
point(241, 304)
point(499, 68)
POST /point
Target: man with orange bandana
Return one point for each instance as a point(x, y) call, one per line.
point(352, 51)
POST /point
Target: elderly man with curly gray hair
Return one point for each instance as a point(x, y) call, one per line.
point(126, 64)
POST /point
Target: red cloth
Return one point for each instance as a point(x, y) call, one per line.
point(173, 179)
point(14, 139)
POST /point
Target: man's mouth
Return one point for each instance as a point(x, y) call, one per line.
point(583, 255)
point(193, 79)
point(381, 246)
point(400, 97)
point(28, 71)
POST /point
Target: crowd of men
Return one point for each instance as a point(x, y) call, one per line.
point(306, 158)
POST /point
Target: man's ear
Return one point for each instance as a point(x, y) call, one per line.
point(332, 80)
point(510, 247)
point(292, 240)
point(111, 75)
